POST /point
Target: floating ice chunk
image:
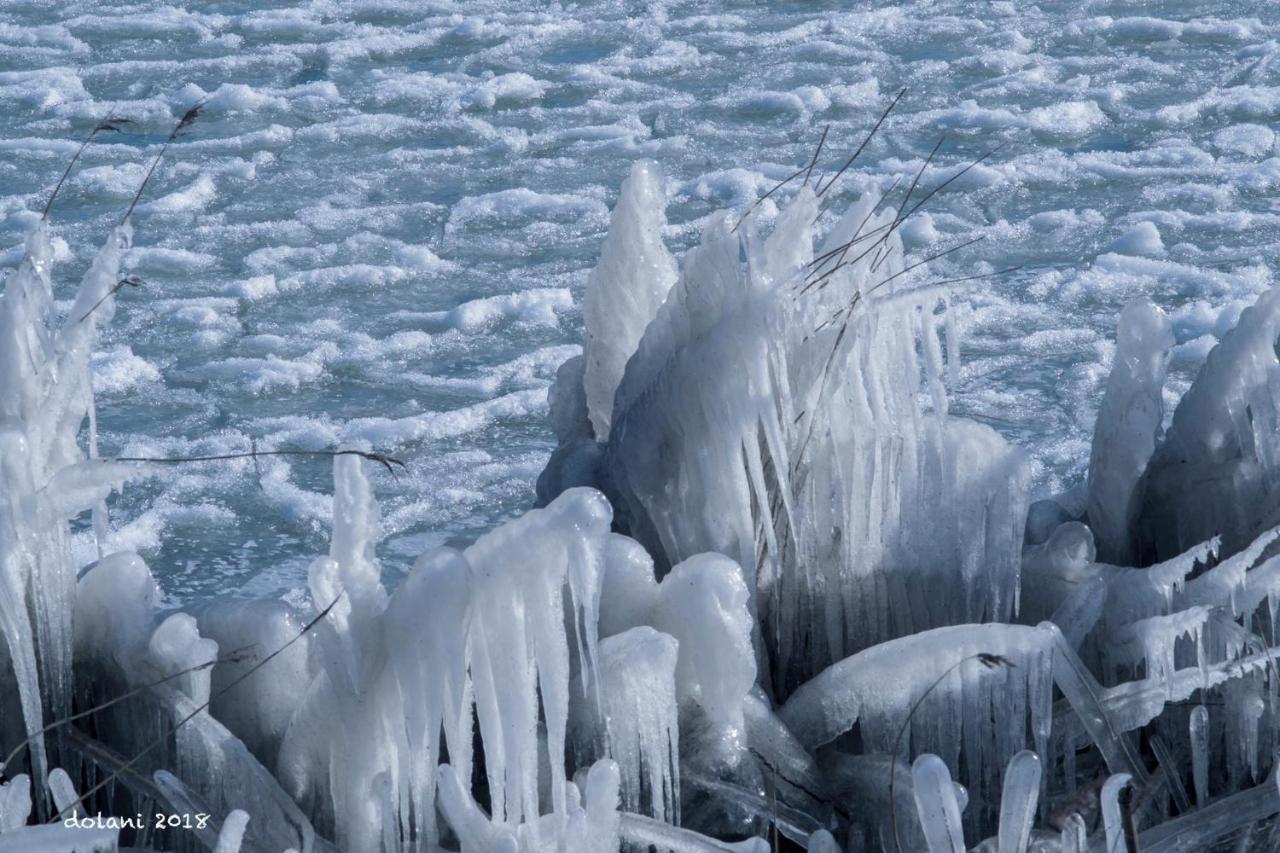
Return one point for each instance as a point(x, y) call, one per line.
point(119, 370)
point(1249, 140)
point(1141, 239)
point(630, 281)
point(514, 88)
point(1069, 118)
point(1128, 427)
point(192, 198)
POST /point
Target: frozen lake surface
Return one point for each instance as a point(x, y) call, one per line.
point(381, 228)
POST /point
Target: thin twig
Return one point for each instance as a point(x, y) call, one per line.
point(110, 123)
point(130, 280)
point(760, 201)
point(381, 458)
point(922, 262)
point(188, 119)
point(238, 656)
point(988, 660)
point(816, 152)
point(899, 218)
point(823, 191)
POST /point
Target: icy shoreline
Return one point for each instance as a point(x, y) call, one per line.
point(775, 588)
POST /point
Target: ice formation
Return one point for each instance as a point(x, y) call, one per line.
point(1130, 422)
point(1216, 471)
point(791, 413)
point(774, 589)
point(627, 287)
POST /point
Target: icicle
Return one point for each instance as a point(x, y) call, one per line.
point(63, 791)
point(232, 832)
point(1075, 838)
point(15, 802)
point(1218, 470)
point(936, 805)
point(1199, 723)
point(638, 673)
point(1018, 802)
point(822, 842)
point(772, 412)
point(1112, 819)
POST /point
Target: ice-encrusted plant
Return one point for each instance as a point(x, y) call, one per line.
point(775, 590)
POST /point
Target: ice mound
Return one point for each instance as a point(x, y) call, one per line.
point(786, 405)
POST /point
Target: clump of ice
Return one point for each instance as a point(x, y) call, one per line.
point(791, 412)
point(1141, 239)
point(1216, 471)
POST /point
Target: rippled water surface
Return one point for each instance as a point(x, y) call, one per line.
point(381, 227)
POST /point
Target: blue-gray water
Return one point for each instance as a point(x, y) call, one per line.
point(382, 224)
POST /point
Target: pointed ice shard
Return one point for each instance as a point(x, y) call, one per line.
point(630, 281)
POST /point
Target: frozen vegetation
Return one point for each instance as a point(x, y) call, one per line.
point(775, 593)
point(849, 542)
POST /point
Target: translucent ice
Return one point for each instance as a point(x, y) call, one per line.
point(630, 281)
point(1128, 427)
